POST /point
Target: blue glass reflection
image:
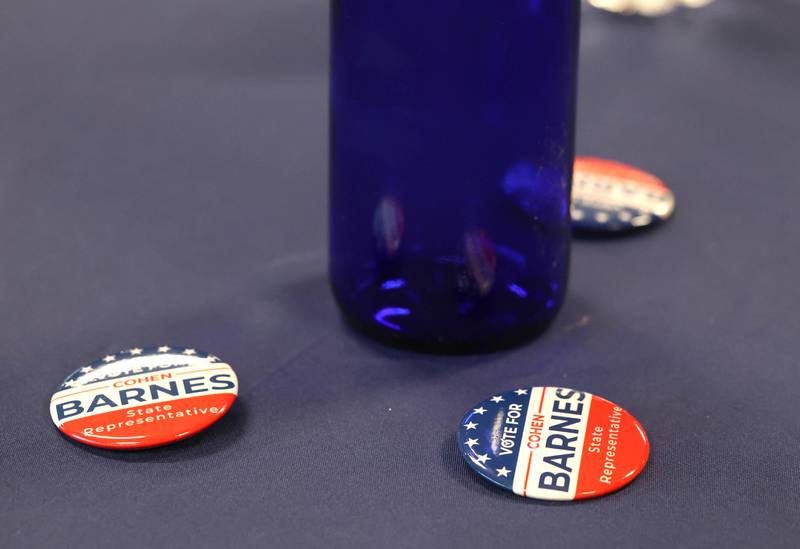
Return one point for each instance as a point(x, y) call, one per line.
point(393, 284)
point(389, 312)
point(451, 157)
point(516, 290)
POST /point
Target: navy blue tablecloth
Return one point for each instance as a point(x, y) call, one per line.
point(163, 181)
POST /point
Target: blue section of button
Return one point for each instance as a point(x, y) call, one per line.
point(586, 217)
point(96, 371)
point(491, 433)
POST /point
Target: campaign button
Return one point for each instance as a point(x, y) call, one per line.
point(552, 443)
point(142, 398)
point(609, 196)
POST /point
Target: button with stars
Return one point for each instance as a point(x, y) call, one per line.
point(553, 443)
point(144, 397)
point(609, 196)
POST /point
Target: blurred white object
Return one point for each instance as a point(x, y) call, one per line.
point(649, 8)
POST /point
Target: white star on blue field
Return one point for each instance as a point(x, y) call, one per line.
point(480, 432)
point(93, 373)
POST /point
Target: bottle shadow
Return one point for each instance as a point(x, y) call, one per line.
point(309, 302)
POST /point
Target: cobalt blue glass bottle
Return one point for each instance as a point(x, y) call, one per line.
point(452, 125)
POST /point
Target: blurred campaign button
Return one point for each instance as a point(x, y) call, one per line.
point(142, 398)
point(609, 196)
point(552, 443)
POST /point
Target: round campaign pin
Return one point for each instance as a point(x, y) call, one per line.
point(609, 196)
point(142, 398)
point(552, 443)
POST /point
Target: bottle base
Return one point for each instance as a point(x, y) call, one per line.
point(444, 346)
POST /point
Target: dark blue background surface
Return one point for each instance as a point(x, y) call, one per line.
point(163, 181)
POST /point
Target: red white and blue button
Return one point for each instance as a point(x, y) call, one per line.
point(609, 196)
point(144, 397)
point(553, 443)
